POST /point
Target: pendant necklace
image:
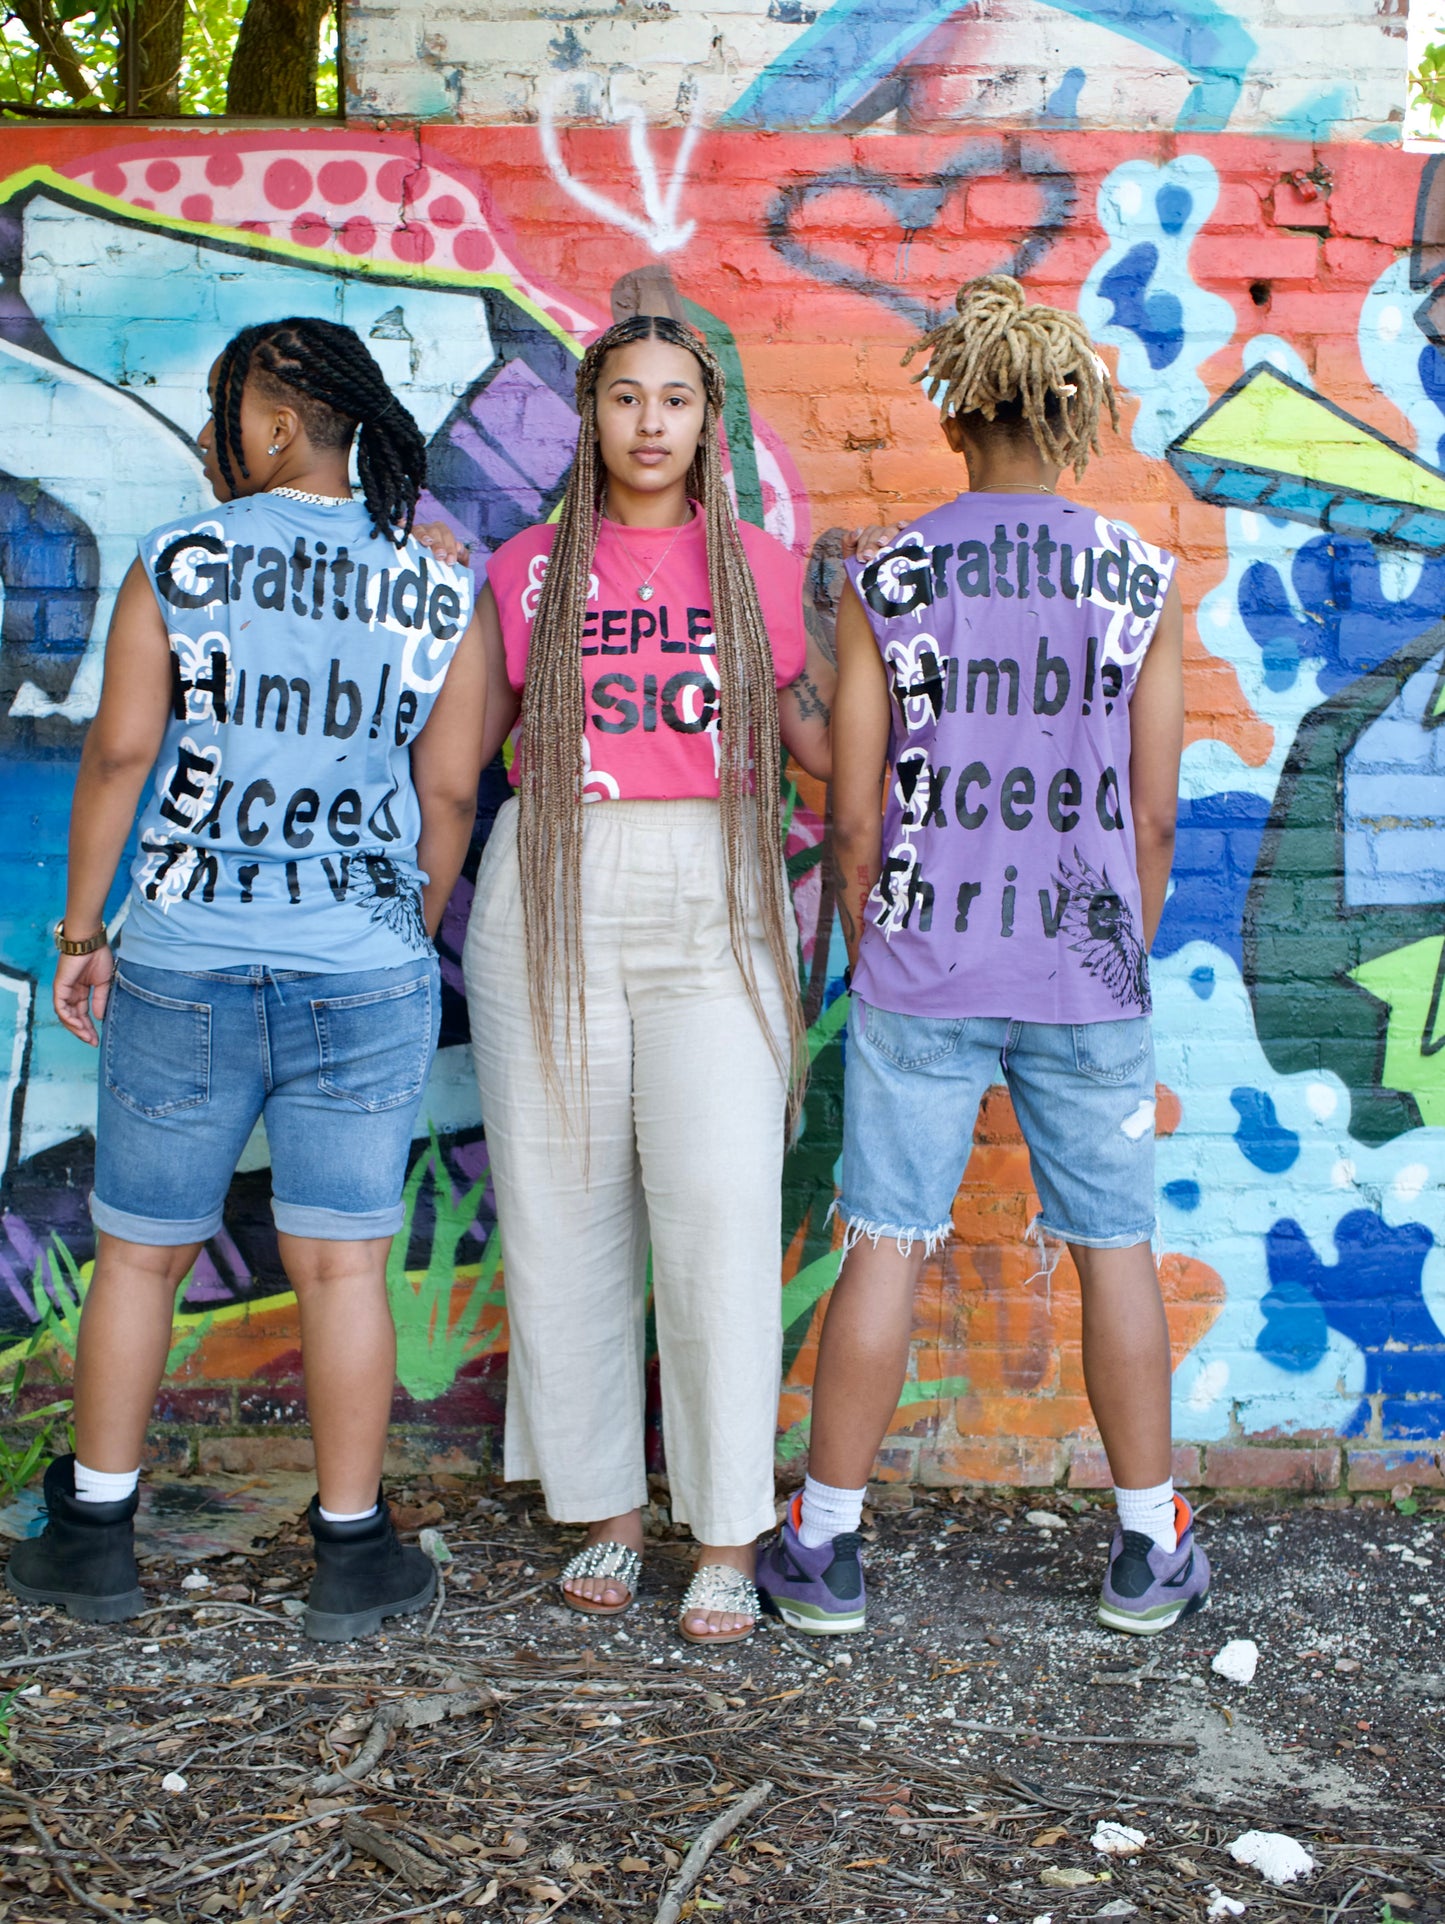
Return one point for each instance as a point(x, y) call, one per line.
point(315, 500)
point(645, 590)
point(1018, 487)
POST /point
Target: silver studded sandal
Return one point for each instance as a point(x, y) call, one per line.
point(718, 1586)
point(615, 1563)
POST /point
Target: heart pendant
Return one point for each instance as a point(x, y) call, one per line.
point(644, 593)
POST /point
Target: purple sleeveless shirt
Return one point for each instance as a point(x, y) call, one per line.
point(1013, 628)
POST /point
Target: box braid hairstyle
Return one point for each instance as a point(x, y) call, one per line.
point(554, 718)
point(1008, 361)
point(326, 372)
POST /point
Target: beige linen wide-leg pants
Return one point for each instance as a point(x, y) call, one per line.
point(680, 1140)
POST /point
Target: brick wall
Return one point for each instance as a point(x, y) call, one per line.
point(1272, 66)
point(1243, 236)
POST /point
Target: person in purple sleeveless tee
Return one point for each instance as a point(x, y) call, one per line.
point(1010, 666)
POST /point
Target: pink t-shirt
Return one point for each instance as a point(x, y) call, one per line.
point(649, 662)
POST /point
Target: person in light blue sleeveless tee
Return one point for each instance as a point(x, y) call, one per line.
point(306, 654)
point(1010, 688)
point(300, 689)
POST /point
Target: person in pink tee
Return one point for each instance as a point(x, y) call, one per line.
point(649, 651)
point(631, 969)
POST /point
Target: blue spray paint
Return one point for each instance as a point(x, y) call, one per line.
point(1142, 298)
point(1216, 847)
point(1374, 1295)
point(829, 70)
point(1261, 1139)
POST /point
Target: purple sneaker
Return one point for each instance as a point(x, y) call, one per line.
point(820, 1591)
point(1145, 1588)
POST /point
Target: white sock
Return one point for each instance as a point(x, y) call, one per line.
point(347, 1516)
point(1150, 1512)
point(104, 1486)
point(828, 1513)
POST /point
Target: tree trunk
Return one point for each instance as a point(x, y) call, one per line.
point(273, 70)
point(156, 28)
point(49, 36)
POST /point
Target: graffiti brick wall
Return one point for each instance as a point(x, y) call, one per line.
point(1278, 66)
point(1264, 268)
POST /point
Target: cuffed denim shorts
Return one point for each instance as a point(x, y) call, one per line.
point(1083, 1094)
point(336, 1065)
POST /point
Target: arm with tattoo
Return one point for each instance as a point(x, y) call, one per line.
point(805, 712)
point(860, 757)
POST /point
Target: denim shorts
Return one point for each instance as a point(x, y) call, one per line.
point(1083, 1094)
point(335, 1064)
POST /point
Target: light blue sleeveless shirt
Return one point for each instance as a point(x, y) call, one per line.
point(282, 825)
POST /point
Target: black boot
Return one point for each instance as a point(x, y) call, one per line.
point(363, 1575)
point(85, 1559)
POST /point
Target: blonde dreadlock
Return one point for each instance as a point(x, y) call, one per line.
point(554, 718)
point(1003, 358)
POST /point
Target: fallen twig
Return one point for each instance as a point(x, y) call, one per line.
point(1134, 1676)
point(797, 1643)
point(453, 1897)
point(383, 1723)
point(504, 1603)
point(723, 1825)
point(1046, 1737)
point(1345, 1902)
point(218, 1863)
point(414, 1713)
point(56, 1858)
point(283, 1897)
point(419, 1871)
point(52, 1656)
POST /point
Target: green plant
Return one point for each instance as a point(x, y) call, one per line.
point(430, 1346)
point(22, 1457)
point(1427, 86)
point(6, 1704)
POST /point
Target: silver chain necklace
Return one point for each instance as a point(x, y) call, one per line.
point(315, 500)
point(645, 590)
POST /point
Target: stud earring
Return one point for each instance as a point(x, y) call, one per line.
point(275, 448)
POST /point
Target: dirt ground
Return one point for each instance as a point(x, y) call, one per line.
point(951, 1763)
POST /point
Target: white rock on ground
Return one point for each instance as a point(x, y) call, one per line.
point(1238, 1660)
point(1222, 1906)
point(1045, 1520)
point(1118, 1840)
point(1277, 1858)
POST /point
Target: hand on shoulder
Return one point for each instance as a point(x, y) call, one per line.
point(442, 542)
point(862, 544)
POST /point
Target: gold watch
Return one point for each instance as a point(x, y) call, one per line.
point(88, 947)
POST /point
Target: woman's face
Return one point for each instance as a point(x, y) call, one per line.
point(650, 405)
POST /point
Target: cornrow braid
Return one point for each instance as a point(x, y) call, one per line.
point(336, 384)
point(554, 721)
point(1001, 351)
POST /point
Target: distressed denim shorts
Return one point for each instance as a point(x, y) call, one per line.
point(1083, 1094)
point(335, 1064)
